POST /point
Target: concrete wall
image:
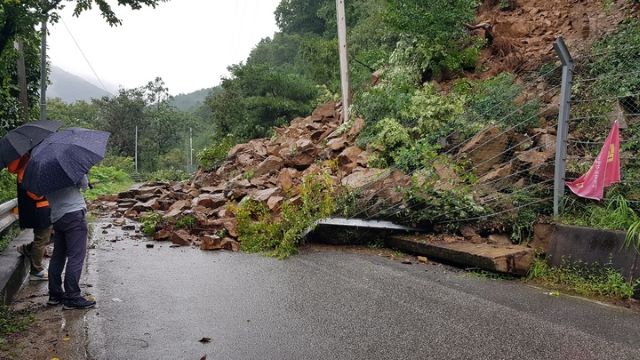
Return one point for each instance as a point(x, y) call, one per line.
point(593, 246)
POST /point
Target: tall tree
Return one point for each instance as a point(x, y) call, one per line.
point(300, 16)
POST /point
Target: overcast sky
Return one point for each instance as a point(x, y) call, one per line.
point(189, 43)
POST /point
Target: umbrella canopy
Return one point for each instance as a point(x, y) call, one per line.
point(19, 141)
point(63, 159)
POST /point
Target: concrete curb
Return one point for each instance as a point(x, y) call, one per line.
point(14, 268)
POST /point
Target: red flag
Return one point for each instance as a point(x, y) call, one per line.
point(604, 171)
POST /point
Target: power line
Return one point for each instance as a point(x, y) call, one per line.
point(85, 57)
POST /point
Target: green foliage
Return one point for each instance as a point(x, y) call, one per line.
point(495, 101)
point(7, 236)
point(300, 16)
point(257, 97)
point(214, 155)
point(583, 279)
point(150, 223)
point(123, 163)
point(434, 114)
point(617, 215)
point(632, 239)
point(7, 186)
point(185, 222)
point(107, 180)
point(617, 57)
point(167, 175)
point(12, 322)
point(428, 205)
point(260, 231)
point(436, 29)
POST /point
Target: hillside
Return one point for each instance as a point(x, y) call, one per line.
point(469, 154)
point(71, 88)
point(191, 101)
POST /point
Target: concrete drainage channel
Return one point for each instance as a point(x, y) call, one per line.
point(510, 259)
point(559, 242)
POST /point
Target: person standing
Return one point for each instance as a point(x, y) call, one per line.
point(68, 210)
point(34, 213)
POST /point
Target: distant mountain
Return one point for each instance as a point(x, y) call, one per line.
point(71, 88)
point(190, 102)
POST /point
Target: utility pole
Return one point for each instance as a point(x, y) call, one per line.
point(43, 69)
point(563, 123)
point(136, 150)
point(344, 58)
point(22, 82)
point(191, 149)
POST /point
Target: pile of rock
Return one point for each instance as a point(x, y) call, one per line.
point(264, 170)
point(271, 171)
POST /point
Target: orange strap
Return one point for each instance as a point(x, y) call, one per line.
point(42, 204)
point(34, 196)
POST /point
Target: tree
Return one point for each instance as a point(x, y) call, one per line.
point(300, 16)
point(120, 116)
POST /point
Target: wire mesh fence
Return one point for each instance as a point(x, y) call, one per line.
point(507, 172)
point(606, 89)
point(505, 167)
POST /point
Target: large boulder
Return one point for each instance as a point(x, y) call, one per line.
point(210, 201)
point(270, 165)
point(288, 178)
point(210, 243)
point(486, 149)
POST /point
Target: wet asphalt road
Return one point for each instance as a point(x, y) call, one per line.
point(157, 303)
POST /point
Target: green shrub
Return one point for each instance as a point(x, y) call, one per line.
point(261, 231)
point(583, 279)
point(185, 222)
point(124, 163)
point(494, 101)
point(167, 175)
point(436, 27)
point(12, 322)
point(214, 155)
point(616, 61)
point(107, 180)
point(150, 223)
point(7, 186)
point(428, 205)
point(8, 235)
point(433, 114)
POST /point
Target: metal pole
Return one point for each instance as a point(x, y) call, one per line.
point(344, 59)
point(191, 149)
point(22, 81)
point(563, 123)
point(43, 70)
point(136, 149)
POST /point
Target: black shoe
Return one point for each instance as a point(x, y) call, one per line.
point(54, 301)
point(78, 303)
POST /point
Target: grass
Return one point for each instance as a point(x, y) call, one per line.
point(8, 235)
point(484, 274)
point(107, 180)
point(600, 281)
point(12, 322)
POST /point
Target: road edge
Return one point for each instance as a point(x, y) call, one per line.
point(14, 268)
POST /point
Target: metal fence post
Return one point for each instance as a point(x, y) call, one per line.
point(563, 122)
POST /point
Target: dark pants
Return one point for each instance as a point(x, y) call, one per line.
point(70, 247)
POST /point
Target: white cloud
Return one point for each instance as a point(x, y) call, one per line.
point(189, 43)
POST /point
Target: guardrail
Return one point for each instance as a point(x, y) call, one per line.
point(7, 216)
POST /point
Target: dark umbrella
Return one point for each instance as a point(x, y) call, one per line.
point(19, 141)
point(63, 159)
